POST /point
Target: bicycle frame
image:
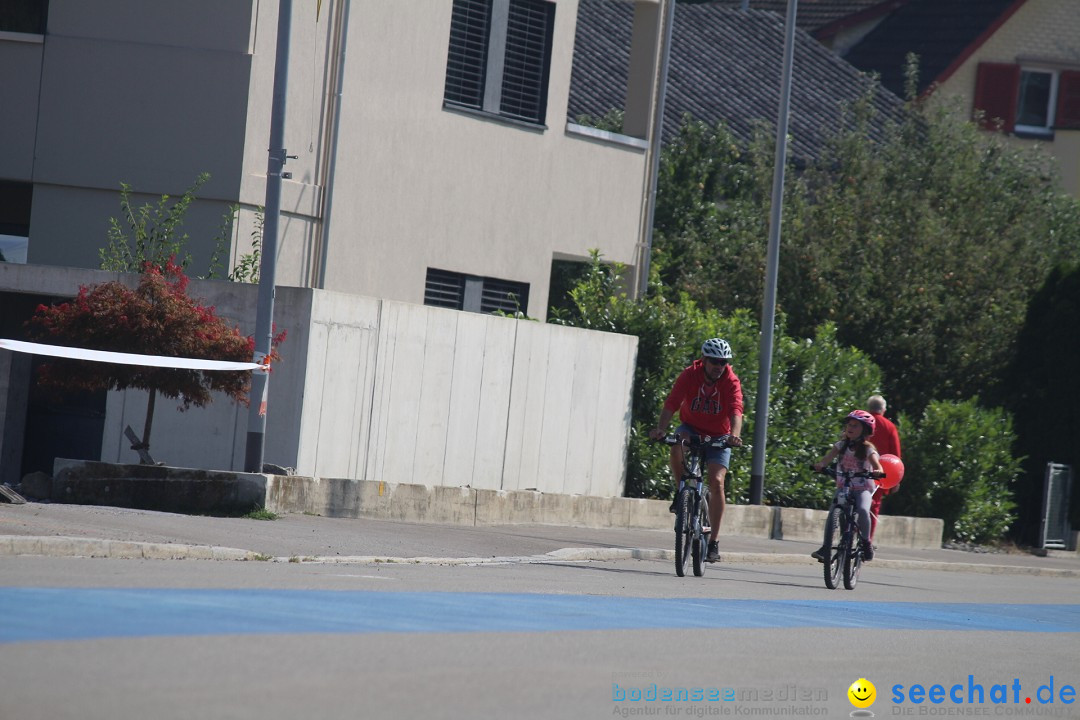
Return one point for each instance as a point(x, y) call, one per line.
point(845, 555)
point(692, 526)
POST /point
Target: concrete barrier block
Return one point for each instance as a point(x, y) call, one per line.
point(508, 507)
point(157, 487)
point(578, 510)
point(452, 505)
point(748, 520)
point(649, 514)
point(927, 533)
point(293, 494)
point(801, 524)
point(420, 503)
point(347, 498)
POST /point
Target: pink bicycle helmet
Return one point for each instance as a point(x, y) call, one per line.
point(862, 416)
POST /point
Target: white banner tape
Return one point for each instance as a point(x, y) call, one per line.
point(125, 358)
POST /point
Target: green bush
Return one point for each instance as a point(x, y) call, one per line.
point(959, 467)
point(815, 382)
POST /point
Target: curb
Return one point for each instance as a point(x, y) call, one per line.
point(54, 546)
point(58, 546)
point(729, 558)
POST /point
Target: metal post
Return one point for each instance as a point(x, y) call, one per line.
point(768, 306)
point(264, 315)
point(667, 20)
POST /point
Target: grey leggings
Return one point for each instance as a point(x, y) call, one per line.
point(863, 498)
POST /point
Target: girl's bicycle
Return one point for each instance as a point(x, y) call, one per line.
point(692, 501)
point(843, 541)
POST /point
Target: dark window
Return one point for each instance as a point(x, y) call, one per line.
point(500, 56)
point(475, 294)
point(1033, 106)
point(467, 62)
point(24, 16)
point(15, 201)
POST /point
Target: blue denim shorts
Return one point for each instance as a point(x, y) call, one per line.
point(712, 455)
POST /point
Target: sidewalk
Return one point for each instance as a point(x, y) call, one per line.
point(100, 531)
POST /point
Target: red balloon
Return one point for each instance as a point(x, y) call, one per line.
point(894, 471)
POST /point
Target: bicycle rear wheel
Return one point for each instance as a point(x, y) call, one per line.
point(834, 548)
point(853, 562)
point(684, 536)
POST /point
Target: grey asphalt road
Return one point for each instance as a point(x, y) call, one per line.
point(529, 635)
point(304, 536)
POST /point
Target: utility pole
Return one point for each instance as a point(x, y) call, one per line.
point(667, 20)
point(768, 305)
point(264, 315)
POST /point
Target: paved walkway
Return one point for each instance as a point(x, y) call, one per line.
point(97, 531)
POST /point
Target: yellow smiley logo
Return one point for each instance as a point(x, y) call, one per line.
point(862, 693)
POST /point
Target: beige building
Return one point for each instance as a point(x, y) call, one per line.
point(1013, 63)
point(433, 159)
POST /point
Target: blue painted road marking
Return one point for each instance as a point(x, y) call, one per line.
point(40, 614)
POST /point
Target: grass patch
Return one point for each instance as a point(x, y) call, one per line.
point(261, 514)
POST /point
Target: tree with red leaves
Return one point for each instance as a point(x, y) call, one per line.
point(156, 318)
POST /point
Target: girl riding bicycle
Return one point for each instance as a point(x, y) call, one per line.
point(857, 454)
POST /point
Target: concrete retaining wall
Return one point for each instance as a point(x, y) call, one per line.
point(153, 487)
point(199, 491)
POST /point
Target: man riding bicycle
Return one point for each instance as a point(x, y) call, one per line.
point(708, 397)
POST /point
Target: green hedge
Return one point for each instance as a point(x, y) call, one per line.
point(959, 467)
point(815, 382)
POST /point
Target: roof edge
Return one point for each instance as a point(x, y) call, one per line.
point(976, 44)
point(830, 30)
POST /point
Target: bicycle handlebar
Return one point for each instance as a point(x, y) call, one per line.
point(696, 441)
point(833, 472)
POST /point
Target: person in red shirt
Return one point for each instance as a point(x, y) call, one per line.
point(887, 441)
point(708, 397)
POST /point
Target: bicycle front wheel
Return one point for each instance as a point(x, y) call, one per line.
point(684, 536)
point(834, 548)
point(701, 540)
point(853, 562)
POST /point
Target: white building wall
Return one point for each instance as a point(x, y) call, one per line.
point(382, 390)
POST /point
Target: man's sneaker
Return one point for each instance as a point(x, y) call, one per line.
point(867, 551)
point(819, 554)
point(714, 552)
point(671, 508)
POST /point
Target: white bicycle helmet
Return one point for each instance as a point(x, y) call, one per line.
point(716, 348)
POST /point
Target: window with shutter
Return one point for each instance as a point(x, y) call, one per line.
point(467, 59)
point(475, 294)
point(996, 91)
point(1068, 102)
point(1036, 102)
point(500, 57)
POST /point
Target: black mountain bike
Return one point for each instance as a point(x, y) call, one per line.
point(843, 541)
point(692, 502)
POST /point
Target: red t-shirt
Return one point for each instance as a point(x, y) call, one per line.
point(885, 438)
point(704, 407)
